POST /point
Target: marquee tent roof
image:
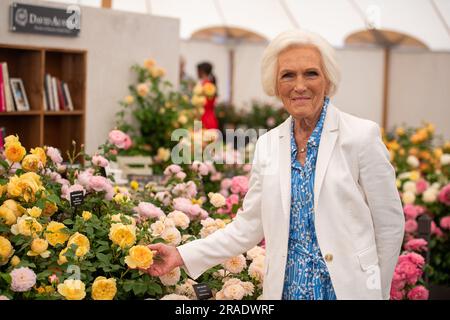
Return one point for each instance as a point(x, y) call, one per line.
point(427, 21)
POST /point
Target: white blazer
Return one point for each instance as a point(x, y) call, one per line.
point(359, 219)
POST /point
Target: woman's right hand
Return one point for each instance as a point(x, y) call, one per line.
point(167, 258)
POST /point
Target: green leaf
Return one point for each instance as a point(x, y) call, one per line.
point(4, 164)
point(68, 222)
point(6, 277)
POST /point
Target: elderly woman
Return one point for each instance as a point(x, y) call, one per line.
point(322, 191)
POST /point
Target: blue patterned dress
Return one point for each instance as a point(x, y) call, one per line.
point(306, 276)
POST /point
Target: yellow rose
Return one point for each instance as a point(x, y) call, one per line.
point(209, 89)
point(3, 190)
point(62, 258)
point(139, 257)
point(72, 289)
point(157, 72)
point(163, 154)
point(49, 289)
point(438, 152)
point(49, 209)
point(400, 131)
point(34, 212)
point(14, 152)
point(104, 289)
point(10, 140)
point(122, 235)
point(198, 101)
point(129, 100)
point(41, 154)
point(134, 185)
point(39, 248)
point(142, 89)
point(82, 243)
point(27, 226)
point(6, 250)
point(86, 215)
point(31, 162)
point(16, 208)
point(26, 186)
point(182, 119)
point(55, 233)
point(414, 175)
point(7, 215)
point(15, 261)
point(198, 89)
point(149, 64)
point(121, 198)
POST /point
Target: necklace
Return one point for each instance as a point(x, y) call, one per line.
point(302, 150)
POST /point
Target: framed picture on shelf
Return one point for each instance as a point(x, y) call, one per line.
point(19, 94)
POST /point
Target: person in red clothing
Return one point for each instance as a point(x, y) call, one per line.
point(205, 74)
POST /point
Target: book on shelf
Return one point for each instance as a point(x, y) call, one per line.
point(67, 95)
point(8, 94)
point(57, 95)
point(2, 94)
point(2, 137)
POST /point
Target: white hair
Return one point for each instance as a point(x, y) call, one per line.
point(293, 38)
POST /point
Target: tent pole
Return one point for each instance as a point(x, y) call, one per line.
point(387, 58)
point(231, 73)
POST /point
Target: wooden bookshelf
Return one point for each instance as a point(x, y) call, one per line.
point(39, 127)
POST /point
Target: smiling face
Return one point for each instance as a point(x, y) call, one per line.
point(301, 81)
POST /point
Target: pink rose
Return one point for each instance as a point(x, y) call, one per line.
point(182, 204)
point(436, 230)
point(421, 186)
point(54, 155)
point(118, 138)
point(396, 294)
point(128, 142)
point(66, 190)
point(445, 223)
point(100, 161)
point(410, 211)
point(416, 245)
point(148, 210)
point(416, 258)
point(418, 293)
point(247, 167)
point(398, 282)
point(411, 226)
point(172, 169)
point(99, 183)
point(180, 175)
point(85, 176)
point(225, 184)
point(409, 271)
point(200, 167)
point(444, 195)
point(239, 185)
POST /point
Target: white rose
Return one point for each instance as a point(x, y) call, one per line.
point(180, 219)
point(172, 236)
point(445, 159)
point(186, 289)
point(412, 161)
point(171, 278)
point(234, 292)
point(410, 186)
point(235, 264)
point(216, 199)
point(430, 195)
point(157, 228)
point(256, 251)
point(408, 197)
